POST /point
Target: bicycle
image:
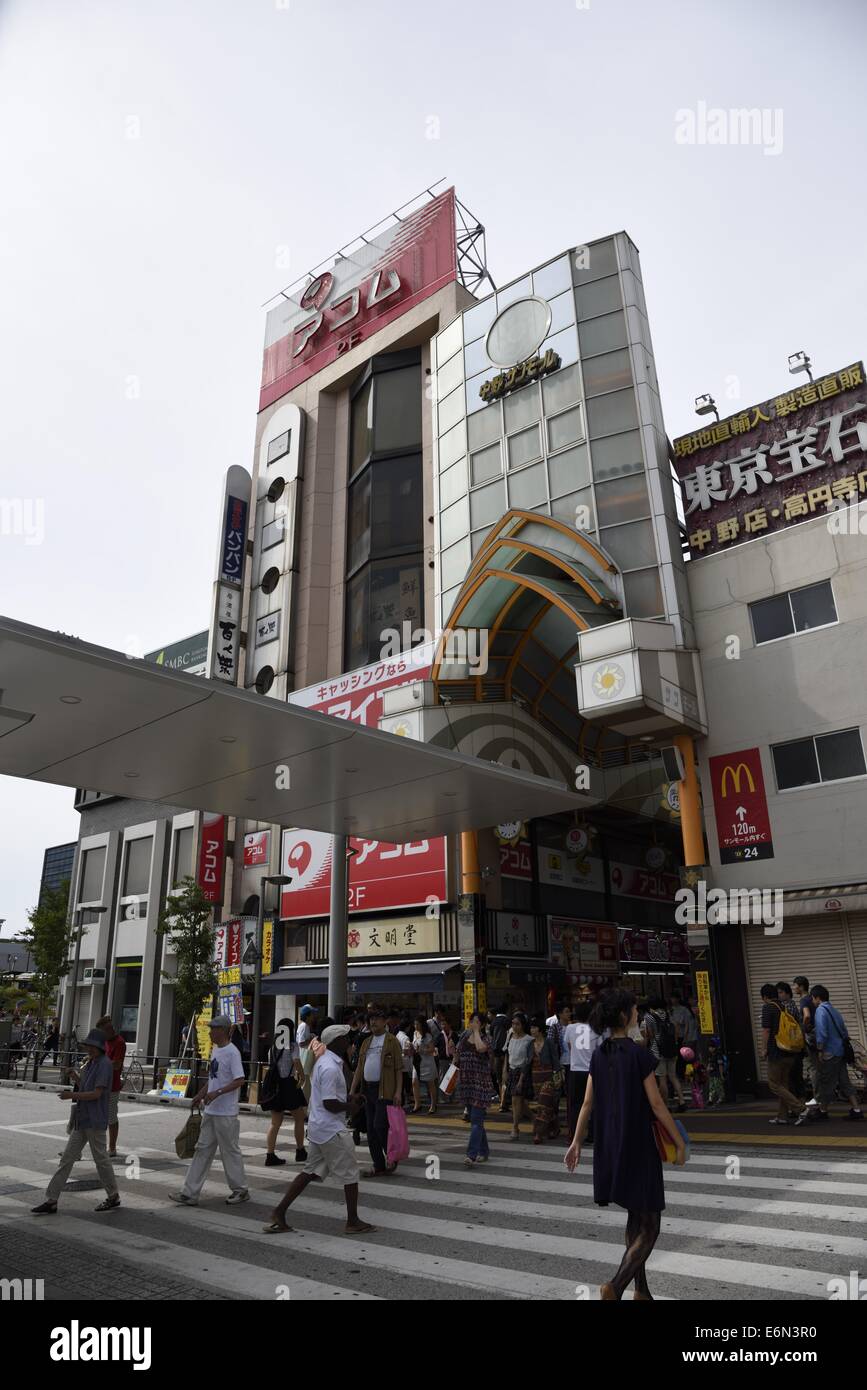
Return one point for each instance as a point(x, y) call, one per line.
point(132, 1077)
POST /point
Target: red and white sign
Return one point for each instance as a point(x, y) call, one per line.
point(257, 847)
point(227, 943)
point(743, 825)
point(515, 861)
point(631, 881)
point(212, 857)
point(381, 875)
point(361, 293)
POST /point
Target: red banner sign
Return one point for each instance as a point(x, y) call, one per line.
point(743, 825)
point(256, 848)
point(515, 861)
point(212, 857)
point(359, 295)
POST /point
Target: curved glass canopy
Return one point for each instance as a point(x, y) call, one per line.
point(535, 583)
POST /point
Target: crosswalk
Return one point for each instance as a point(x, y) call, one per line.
point(737, 1225)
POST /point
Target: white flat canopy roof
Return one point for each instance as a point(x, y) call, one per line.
point(141, 731)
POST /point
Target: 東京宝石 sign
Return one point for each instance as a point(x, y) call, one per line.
point(795, 456)
point(743, 825)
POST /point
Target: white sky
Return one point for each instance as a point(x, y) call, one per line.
point(265, 125)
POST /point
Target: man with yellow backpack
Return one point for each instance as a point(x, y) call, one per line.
point(783, 1040)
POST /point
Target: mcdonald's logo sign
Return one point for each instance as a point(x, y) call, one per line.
point(743, 825)
point(735, 774)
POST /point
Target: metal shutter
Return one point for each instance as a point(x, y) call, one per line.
point(857, 924)
point(818, 947)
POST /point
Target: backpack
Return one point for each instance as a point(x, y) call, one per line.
point(789, 1035)
point(666, 1036)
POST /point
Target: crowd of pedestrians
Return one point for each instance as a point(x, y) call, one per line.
point(806, 1043)
point(616, 1065)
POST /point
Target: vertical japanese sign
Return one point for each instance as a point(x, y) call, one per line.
point(212, 856)
point(224, 647)
point(267, 946)
point(705, 1008)
point(743, 825)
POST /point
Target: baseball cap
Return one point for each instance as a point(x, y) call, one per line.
point(337, 1030)
point(221, 1021)
point(306, 1009)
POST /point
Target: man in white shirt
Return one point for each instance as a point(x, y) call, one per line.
point(582, 1043)
point(330, 1150)
point(221, 1126)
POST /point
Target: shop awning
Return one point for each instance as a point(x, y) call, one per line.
point(403, 977)
point(810, 902)
point(82, 716)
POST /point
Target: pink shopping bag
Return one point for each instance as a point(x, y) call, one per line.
point(398, 1135)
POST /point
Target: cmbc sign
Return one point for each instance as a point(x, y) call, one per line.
point(743, 825)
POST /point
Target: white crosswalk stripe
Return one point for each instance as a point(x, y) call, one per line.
point(518, 1227)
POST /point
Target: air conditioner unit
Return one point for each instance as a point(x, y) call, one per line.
point(93, 974)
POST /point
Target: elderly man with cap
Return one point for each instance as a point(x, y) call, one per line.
point(330, 1150)
point(221, 1127)
point(89, 1125)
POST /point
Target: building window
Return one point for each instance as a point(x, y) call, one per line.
point(137, 867)
point(796, 611)
point(385, 521)
point(827, 758)
point(92, 875)
point(182, 860)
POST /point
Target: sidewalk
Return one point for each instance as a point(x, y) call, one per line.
point(747, 1122)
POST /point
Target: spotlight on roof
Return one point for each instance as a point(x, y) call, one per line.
point(800, 362)
point(706, 405)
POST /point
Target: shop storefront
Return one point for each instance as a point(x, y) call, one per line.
point(822, 939)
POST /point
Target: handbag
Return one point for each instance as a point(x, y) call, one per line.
point(269, 1090)
point(398, 1134)
point(665, 1145)
point(185, 1144)
point(308, 1059)
point(450, 1080)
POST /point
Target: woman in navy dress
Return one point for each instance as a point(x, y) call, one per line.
point(623, 1097)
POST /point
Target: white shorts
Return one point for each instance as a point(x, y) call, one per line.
point(333, 1159)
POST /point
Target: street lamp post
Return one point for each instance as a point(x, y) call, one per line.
point(281, 880)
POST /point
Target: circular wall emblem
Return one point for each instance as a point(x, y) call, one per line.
point(655, 857)
point(577, 840)
point(608, 680)
point(317, 291)
point(518, 330)
point(509, 832)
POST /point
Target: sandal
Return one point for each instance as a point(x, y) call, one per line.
point(110, 1204)
point(274, 1228)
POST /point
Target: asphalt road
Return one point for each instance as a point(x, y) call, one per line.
point(742, 1221)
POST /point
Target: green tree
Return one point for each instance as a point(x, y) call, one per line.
point(49, 939)
point(187, 919)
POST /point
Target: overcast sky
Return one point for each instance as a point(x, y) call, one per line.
point(165, 167)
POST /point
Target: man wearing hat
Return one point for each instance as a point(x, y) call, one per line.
point(221, 1126)
point(89, 1125)
point(330, 1150)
